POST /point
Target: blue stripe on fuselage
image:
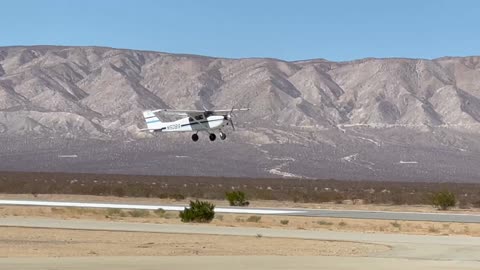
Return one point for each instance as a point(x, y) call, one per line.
point(200, 122)
point(154, 121)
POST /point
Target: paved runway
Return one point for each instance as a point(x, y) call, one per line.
point(408, 251)
point(358, 214)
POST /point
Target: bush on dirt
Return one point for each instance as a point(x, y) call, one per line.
point(139, 213)
point(198, 211)
point(237, 198)
point(443, 200)
point(254, 219)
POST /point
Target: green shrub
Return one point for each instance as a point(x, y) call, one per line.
point(170, 216)
point(198, 211)
point(325, 223)
point(432, 229)
point(139, 213)
point(177, 196)
point(159, 212)
point(476, 204)
point(444, 200)
point(284, 221)
point(254, 219)
point(114, 212)
point(396, 224)
point(463, 204)
point(237, 198)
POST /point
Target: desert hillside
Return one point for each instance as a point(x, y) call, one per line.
point(100, 92)
point(79, 109)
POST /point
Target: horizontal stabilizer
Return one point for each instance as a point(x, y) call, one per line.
point(153, 122)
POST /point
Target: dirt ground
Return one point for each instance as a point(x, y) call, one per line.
point(28, 242)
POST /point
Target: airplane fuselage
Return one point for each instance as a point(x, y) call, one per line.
point(188, 124)
point(192, 121)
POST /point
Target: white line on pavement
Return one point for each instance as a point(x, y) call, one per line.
point(141, 206)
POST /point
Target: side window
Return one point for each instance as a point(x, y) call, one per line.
point(199, 117)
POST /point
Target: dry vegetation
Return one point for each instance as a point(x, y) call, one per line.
point(237, 220)
point(179, 188)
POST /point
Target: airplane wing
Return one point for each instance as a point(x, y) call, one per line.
point(179, 112)
point(223, 112)
point(198, 112)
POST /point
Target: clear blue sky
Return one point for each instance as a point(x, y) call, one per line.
point(290, 30)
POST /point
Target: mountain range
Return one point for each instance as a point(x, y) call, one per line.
point(380, 119)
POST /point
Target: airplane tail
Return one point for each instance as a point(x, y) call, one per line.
point(153, 122)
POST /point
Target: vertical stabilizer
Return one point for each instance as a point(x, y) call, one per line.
point(153, 122)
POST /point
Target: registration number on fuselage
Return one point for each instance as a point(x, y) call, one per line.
point(174, 126)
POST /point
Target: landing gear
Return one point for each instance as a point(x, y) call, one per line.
point(211, 136)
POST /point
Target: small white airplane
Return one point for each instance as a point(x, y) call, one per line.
point(207, 121)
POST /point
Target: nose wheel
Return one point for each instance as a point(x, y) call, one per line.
point(223, 136)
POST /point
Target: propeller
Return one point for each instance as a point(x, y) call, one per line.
point(229, 118)
point(207, 111)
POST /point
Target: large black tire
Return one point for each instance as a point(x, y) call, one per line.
point(212, 137)
point(195, 137)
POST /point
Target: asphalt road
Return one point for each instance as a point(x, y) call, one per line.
point(357, 214)
point(407, 251)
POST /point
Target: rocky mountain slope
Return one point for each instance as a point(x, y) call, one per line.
point(339, 108)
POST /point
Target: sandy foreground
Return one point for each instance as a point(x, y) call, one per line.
point(28, 242)
point(237, 220)
point(35, 242)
